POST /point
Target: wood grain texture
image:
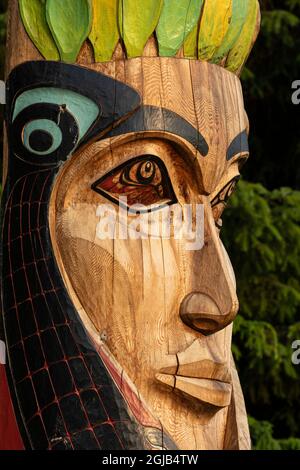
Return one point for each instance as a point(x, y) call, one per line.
point(237, 430)
point(154, 308)
point(18, 40)
point(122, 275)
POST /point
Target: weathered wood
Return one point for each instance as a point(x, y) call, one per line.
point(151, 316)
point(141, 318)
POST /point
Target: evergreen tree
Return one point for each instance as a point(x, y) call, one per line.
point(262, 233)
point(273, 65)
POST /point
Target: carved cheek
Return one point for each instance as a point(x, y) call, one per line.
point(116, 281)
point(125, 286)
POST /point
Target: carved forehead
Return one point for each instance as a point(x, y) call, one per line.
point(207, 97)
point(197, 102)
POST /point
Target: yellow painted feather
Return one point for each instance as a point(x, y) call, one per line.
point(137, 21)
point(241, 50)
point(213, 27)
point(190, 48)
point(104, 35)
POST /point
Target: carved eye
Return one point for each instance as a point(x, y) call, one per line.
point(219, 203)
point(44, 131)
point(42, 136)
point(48, 123)
point(143, 180)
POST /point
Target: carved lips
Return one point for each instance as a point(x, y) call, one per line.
point(209, 391)
point(207, 379)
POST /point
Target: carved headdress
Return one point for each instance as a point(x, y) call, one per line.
point(218, 31)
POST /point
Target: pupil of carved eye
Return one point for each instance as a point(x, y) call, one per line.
point(148, 167)
point(146, 172)
point(40, 140)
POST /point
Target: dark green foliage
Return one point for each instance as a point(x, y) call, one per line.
point(273, 65)
point(262, 234)
point(262, 436)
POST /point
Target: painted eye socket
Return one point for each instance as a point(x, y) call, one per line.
point(42, 136)
point(219, 203)
point(48, 123)
point(46, 131)
point(226, 192)
point(143, 180)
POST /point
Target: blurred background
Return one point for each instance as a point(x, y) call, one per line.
point(262, 231)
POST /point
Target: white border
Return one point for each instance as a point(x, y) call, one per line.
point(2, 353)
point(2, 92)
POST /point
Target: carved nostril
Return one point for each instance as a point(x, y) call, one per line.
point(205, 325)
point(200, 312)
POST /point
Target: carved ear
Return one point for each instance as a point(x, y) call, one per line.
point(115, 99)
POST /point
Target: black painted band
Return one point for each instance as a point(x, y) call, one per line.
point(238, 145)
point(152, 118)
point(114, 98)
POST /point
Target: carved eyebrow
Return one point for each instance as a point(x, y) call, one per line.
point(152, 118)
point(238, 145)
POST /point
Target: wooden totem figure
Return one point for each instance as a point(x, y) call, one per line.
point(126, 132)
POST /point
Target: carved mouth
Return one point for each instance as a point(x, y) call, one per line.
point(206, 380)
point(209, 391)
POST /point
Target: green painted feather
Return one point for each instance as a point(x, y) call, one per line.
point(104, 35)
point(33, 13)
point(178, 18)
point(70, 22)
point(137, 21)
point(240, 51)
point(240, 9)
point(190, 46)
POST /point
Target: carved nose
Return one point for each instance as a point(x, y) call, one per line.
point(201, 313)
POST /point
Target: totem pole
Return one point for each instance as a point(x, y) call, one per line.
point(135, 107)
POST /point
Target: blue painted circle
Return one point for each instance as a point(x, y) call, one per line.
point(44, 126)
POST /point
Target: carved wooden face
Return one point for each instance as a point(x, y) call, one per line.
point(163, 311)
point(154, 315)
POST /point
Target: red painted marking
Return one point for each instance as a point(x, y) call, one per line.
point(10, 438)
point(136, 406)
